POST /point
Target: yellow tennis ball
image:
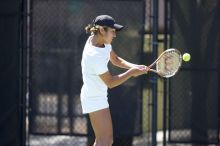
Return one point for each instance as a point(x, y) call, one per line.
point(186, 57)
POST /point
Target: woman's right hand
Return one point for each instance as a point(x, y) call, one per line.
point(136, 71)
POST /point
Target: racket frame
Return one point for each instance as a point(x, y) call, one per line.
point(161, 55)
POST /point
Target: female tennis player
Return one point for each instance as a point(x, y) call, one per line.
point(97, 78)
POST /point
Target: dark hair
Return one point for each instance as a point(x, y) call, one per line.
point(94, 29)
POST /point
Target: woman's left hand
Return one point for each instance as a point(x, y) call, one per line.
point(143, 67)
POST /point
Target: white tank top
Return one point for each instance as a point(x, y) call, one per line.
point(94, 63)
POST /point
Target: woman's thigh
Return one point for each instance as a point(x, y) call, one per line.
point(102, 123)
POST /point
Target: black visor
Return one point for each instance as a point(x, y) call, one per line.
point(105, 20)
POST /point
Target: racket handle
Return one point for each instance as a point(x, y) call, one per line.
point(152, 70)
point(158, 73)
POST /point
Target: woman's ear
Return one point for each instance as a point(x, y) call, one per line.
point(102, 30)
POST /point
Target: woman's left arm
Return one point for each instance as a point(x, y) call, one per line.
point(120, 62)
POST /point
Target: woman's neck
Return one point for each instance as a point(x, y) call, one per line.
point(97, 41)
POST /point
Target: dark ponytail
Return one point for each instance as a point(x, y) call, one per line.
point(94, 29)
point(91, 28)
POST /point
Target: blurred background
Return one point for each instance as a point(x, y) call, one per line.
point(41, 44)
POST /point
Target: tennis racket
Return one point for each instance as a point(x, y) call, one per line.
point(168, 63)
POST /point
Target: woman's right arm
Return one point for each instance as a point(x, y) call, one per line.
point(113, 81)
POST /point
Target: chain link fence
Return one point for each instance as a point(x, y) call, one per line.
point(57, 38)
point(194, 92)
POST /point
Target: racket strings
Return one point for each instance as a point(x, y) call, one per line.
point(169, 63)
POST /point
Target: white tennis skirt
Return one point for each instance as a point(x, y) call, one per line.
point(91, 104)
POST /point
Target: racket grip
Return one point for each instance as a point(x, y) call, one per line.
point(152, 70)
